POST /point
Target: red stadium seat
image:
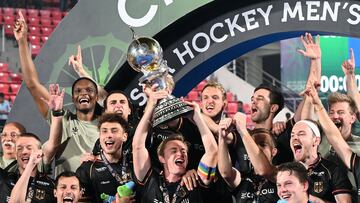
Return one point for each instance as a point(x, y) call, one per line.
point(232, 107)
point(46, 31)
point(44, 39)
point(15, 88)
point(193, 95)
point(9, 20)
point(8, 11)
point(35, 50)
point(4, 77)
point(229, 96)
point(46, 22)
point(32, 13)
point(34, 30)
point(9, 30)
point(55, 22)
point(45, 14)
point(56, 15)
point(33, 39)
point(34, 21)
point(4, 88)
point(15, 78)
point(4, 67)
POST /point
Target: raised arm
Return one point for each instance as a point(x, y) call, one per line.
point(262, 165)
point(348, 68)
point(312, 50)
point(330, 130)
point(141, 158)
point(18, 193)
point(231, 176)
point(55, 104)
point(208, 161)
point(30, 75)
point(76, 63)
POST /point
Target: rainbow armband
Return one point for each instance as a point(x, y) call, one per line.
point(206, 172)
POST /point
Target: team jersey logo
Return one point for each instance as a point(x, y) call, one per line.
point(318, 186)
point(40, 194)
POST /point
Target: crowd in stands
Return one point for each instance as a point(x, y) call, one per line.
point(223, 151)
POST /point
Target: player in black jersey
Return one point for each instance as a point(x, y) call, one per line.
point(31, 185)
point(258, 186)
point(164, 186)
point(112, 169)
point(350, 159)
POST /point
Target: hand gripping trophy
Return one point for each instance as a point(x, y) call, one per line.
point(145, 55)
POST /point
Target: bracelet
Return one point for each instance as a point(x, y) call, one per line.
point(58, 113)
point(319, 109)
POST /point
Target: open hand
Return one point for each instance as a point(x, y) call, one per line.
point(312, 48)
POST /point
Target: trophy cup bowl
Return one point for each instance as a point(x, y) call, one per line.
point(145, 55)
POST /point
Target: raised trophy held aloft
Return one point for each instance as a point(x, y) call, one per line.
point(145, 55)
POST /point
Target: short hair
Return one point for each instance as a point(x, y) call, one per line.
point(67, 174)
point(84, 78)
point(113, 118)
point(32, 135)
point(264, 131)
point(2, 95)
point(336, 97)
point(174, 136)
point(19, 126)
point(276, 97)
point(215, 85)
point(294, 168)
point(118, 92)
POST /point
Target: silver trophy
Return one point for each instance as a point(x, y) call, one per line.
point(145, 55)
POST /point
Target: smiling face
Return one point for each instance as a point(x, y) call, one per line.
point(68, 190)
point(290, 188)
point(112, 136)
point(175, 158)
point(212, 101)
point(340, 113)
point(8, 138)
point(260, 106)
point(118, 103)
point(84, 95)
point(24, 148)
point(303, 142)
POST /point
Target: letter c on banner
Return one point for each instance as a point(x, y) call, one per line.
point(135, 22)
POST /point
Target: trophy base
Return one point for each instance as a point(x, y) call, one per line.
point(168, 109)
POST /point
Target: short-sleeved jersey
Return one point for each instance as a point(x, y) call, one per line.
point(97, 179)
point(326, 179)
point(150, 190)
point(42, 187)
point(254, 188)
point(77, 138)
